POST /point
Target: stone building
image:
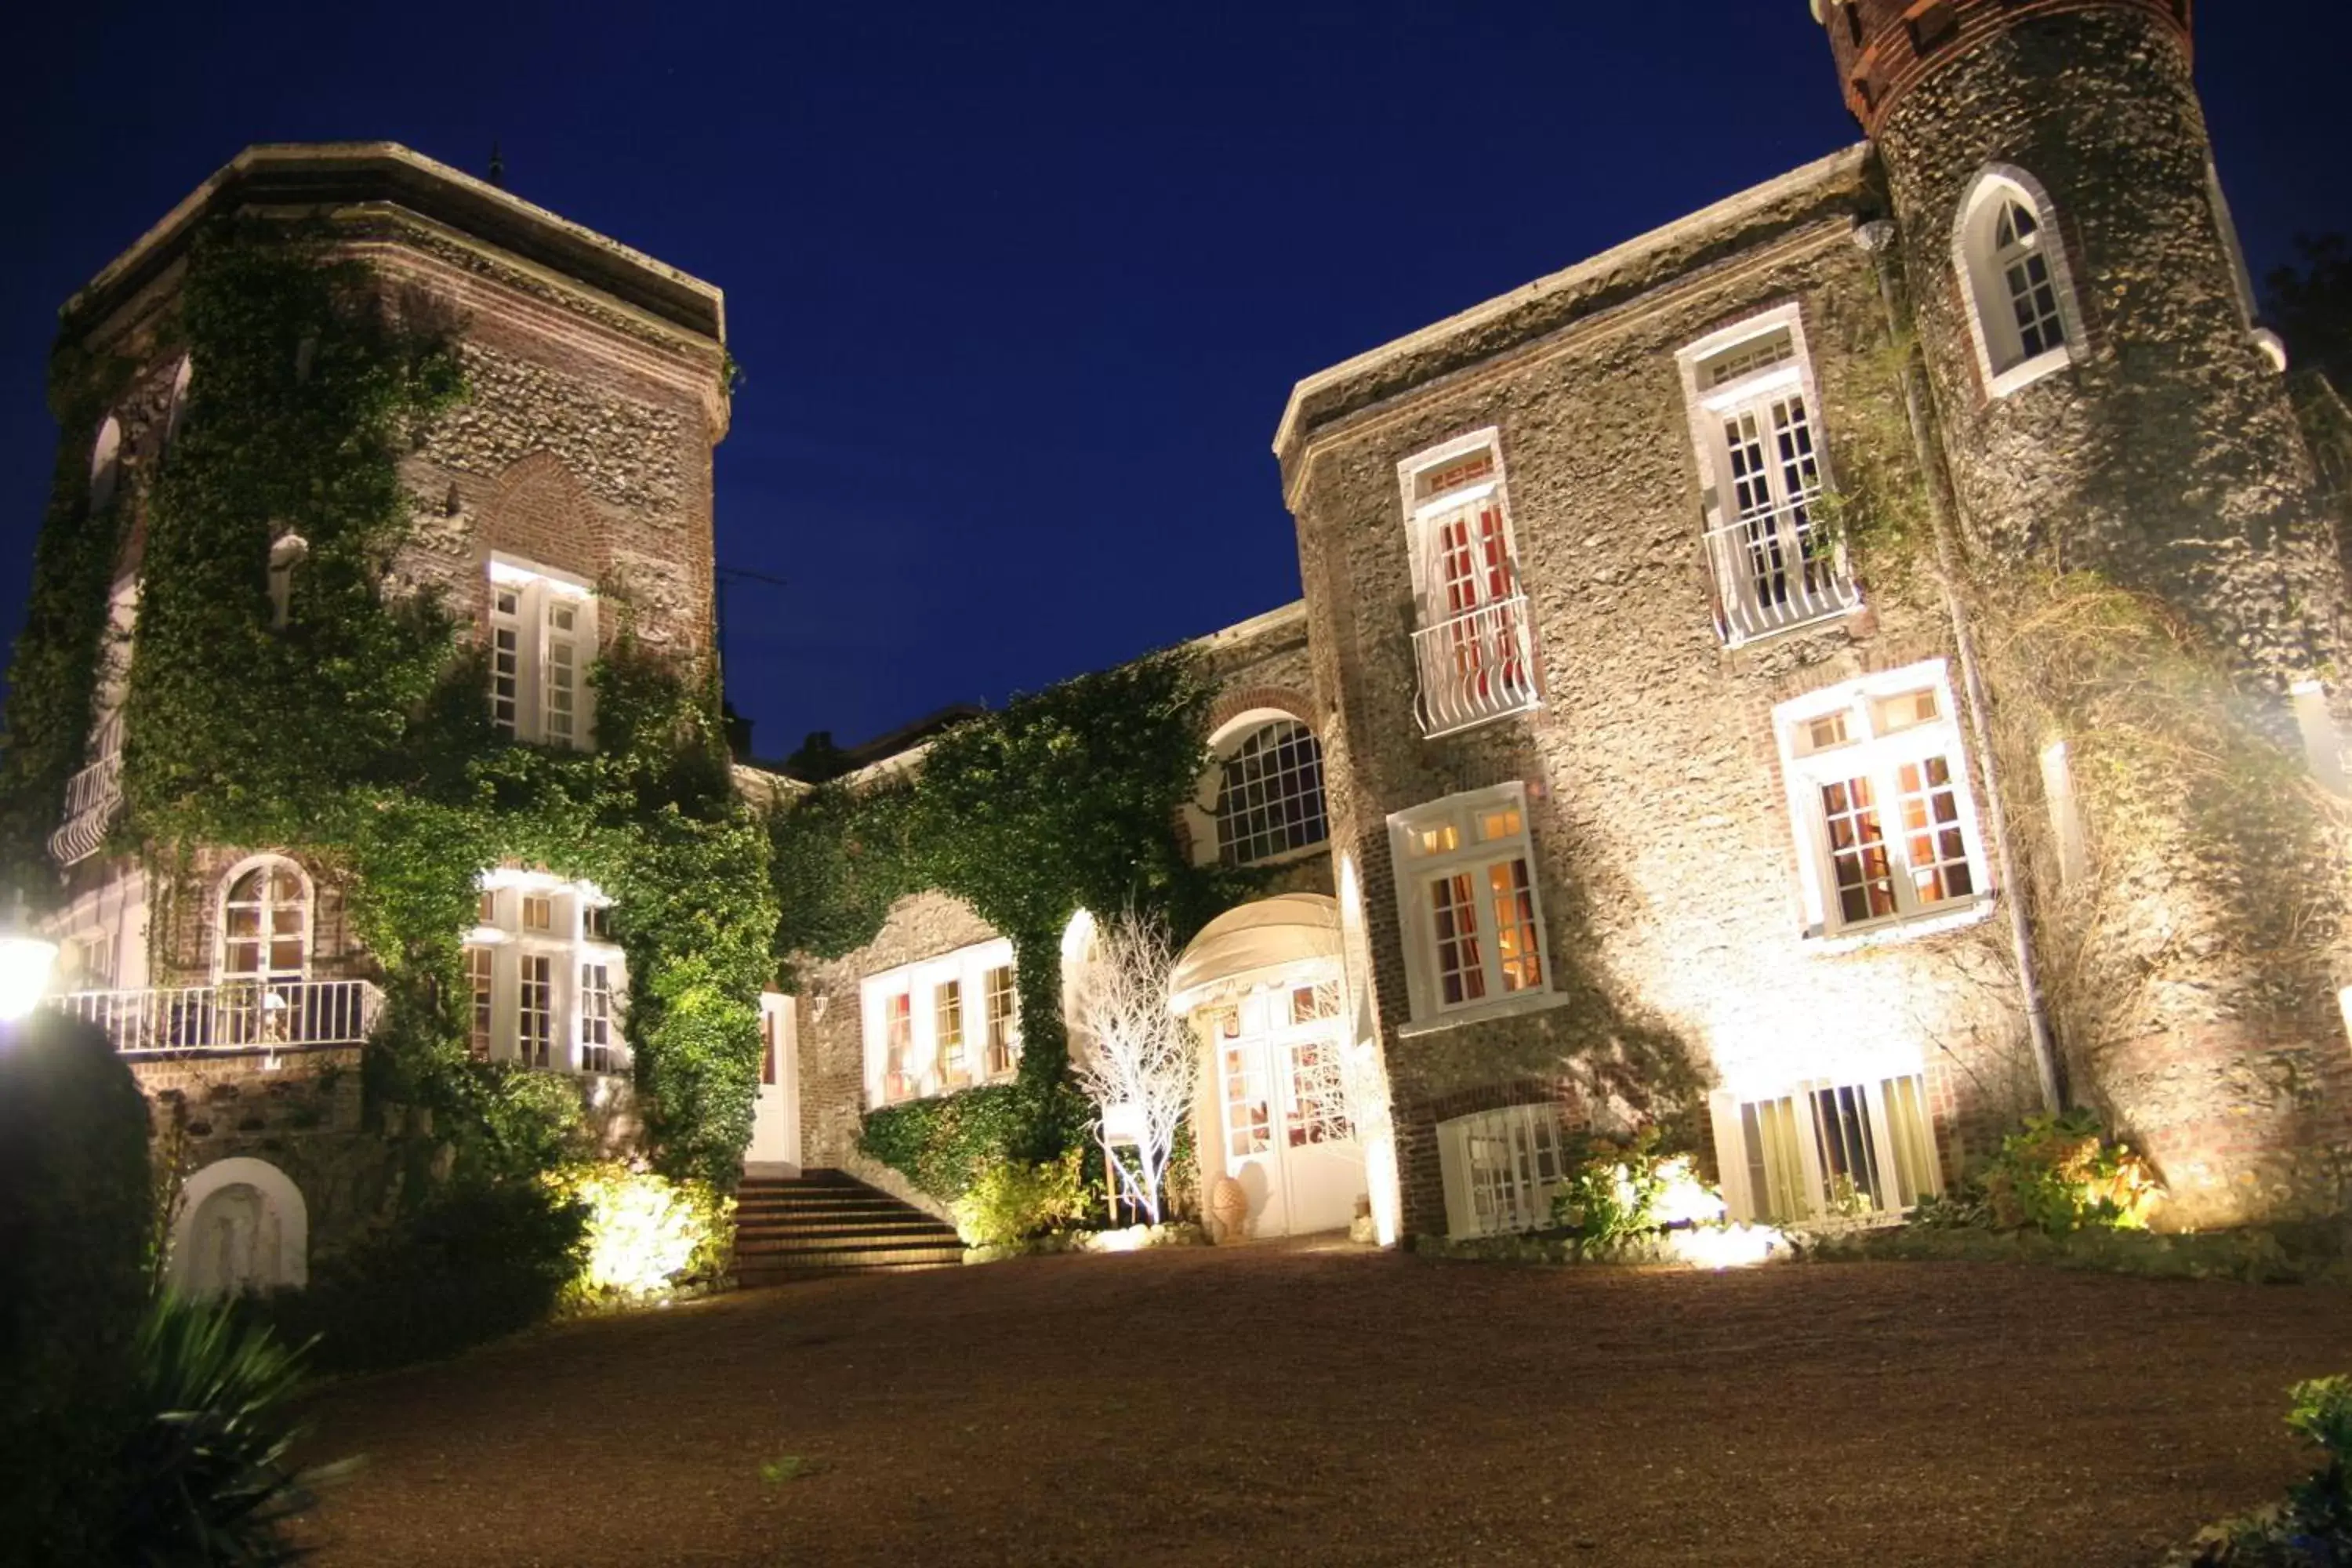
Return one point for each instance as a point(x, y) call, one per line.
point(580, 464)
point(1834, 674)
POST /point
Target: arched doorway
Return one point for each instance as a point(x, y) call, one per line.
point(1262, 986)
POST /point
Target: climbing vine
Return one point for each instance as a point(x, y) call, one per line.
point(355, 734)
point(1065, 800)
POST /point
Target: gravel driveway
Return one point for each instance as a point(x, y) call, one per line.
point(1284, 1404)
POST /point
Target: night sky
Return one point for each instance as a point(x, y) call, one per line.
point(1019, 289)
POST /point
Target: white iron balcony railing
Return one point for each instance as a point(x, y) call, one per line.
point(93, 797)
point(1779, 569)
point(240, 1015)
point(1474, 666)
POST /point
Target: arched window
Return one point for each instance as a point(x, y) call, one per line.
point(2020, 294)
point(1270, 794)
point(266, 923)
point(105, 465)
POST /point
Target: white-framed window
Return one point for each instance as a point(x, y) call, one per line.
point(542, 640)
point(1827, 1150)
point(265, 922)
point(289, 552)
point(2024, 317)
point(918, 1019)
point(1776, 563)
point(1467, 901)
point(1879, 798)
point(1500, 1169)
point(1267, 800)
point(1473, 649)
point(105, 465)
point(546, 983)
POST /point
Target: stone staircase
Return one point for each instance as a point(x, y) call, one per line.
point(823, 1223)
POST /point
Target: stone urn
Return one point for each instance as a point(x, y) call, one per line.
point(1228, 1209)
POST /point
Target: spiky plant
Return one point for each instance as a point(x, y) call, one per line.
point(204, 1470)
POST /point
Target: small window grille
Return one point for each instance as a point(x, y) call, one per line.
point(947, 1022)
point(1004, 1023)
point(535, 1011)
point(595, 1018)
point(1270, 800)
point(2025, 270)
point(1500, 1169)
point(480, 971)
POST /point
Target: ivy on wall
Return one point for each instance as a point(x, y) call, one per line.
point(357, 737)
point(1065, 800)
point(54, 676)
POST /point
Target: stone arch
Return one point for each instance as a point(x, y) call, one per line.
point(540, 513)
point(105, 465)
point(242, 1226)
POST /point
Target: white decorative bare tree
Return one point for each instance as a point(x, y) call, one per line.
point(1135, 1059)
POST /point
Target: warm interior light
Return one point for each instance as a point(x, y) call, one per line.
point(24, 963)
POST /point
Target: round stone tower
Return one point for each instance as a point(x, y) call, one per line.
point(2107, 400)
point(2107, 395)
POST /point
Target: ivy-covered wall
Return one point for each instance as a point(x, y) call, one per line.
point(356, 736)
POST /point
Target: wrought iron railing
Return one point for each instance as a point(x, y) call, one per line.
point(1475, 666)
point(1779, 569)
point(93, 797)
point(239, 1015)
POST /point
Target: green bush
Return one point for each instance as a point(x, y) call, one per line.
point(1619, 1188)
point(75, 1198)
point(1012, 1200)
point(943, 1145)
point(2062, 1173)
point(647, 1237)
point(202, 1474)
point(476, 1261)
point(2313, 1528)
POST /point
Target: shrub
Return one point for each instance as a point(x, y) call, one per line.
point(646, 1236)
point(2313, 1528)
point(1012, 1200)
point(201, 1475)
point(476, 1261)
point(943, 1145)
point(2061, 1173)
point(75, 1198)
point(1620, 1189)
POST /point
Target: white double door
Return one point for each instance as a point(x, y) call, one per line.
point(1284, 1132)
point(776, 1113)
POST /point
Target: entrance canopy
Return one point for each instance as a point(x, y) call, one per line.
point(1292, 936)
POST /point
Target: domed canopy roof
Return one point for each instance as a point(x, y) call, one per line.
point(1288, 936)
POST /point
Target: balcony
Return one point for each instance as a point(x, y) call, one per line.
point(1778, 570)
point(1475, 666)
point(93, 797)
point(242, 1015)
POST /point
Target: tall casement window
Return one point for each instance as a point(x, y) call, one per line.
point(1500, 1169)
point(264, 925)
point(1878, 794)
point(2020, 294)
point(1468, 904)
point(542, 640)
point(1269, 799)
point(547, 980)
point(946, 1024)
point(1827, 1149)
point(1776, 561)
point(1473, 651)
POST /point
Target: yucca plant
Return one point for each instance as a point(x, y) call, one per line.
point(204, 1475)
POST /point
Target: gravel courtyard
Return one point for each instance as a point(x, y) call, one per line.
point(1293, 1405)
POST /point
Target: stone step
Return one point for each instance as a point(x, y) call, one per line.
point(889, 1257)
point(892, 1226)
point(769, 1245)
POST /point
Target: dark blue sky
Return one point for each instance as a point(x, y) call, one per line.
point(1020, 289)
